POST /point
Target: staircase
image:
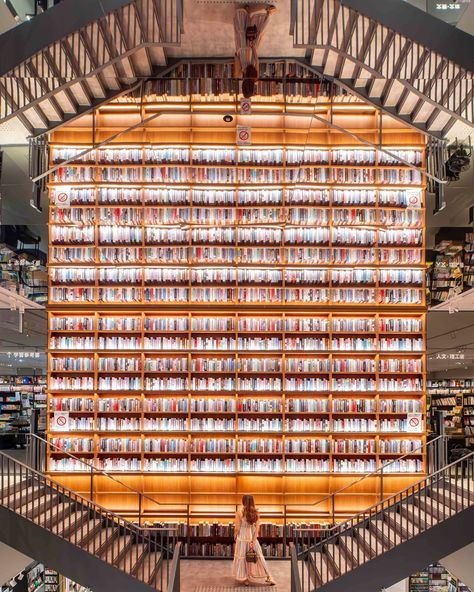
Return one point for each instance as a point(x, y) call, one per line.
point(392, 539)
point(397, 57)
point(82, 540)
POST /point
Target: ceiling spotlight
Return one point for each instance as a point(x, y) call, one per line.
point(228, 118)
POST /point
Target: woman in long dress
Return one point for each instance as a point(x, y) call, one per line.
point(247, 526)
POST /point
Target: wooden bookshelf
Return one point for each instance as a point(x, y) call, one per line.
point(254, 327)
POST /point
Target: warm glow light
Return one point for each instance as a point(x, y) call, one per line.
point(124, 107)
point(308, 108)
point(263, 107)
point(167, 107)
point(214, 107)
point(353, 108)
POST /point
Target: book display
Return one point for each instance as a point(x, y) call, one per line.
point(454, 396)
point(435, 578)
point(447, 275)
point(468, 270)
point(19, 395)
point(230, 318)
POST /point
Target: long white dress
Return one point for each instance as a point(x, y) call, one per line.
point(241, 570)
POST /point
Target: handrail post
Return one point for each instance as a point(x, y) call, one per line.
point(92, 484)
point(381, 482)
point(140, 502)
point(295, 576)
point(333, 508)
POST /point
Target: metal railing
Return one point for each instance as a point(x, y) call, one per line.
point(87, 49)
point(295, 574)
point(37, 448)
point(387, 54)
point(153, 509)
point(433, 499)
point(175, 571)
point(142, 553)
point(436, 453)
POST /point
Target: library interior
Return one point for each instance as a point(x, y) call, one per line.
point(236, 295)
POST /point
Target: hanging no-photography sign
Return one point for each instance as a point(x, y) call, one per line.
point(414, 422)
point(62, 198)
point(245, 106)
point(61, 421)
point(244, 135)
point(413, 198)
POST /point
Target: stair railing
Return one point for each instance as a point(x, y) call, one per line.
point(37, 448)
point(435, 451)
point(295, 574)
point(431, 496)
point(36, 497)
point(174, 581)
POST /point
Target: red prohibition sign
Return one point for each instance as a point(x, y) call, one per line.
point(61, 420)
point(245, 107)
point(413, 199)
point(243, 135)
point(414, 422)
point(62, 197)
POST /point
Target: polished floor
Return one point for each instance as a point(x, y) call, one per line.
point(215, 576)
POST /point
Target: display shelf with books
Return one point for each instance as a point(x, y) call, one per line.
point(238, 315)
point(468, 269)
point(240, 240)
point(213, 537)
point(19, 395)
point(435, 578)
point(452, 396)
point(447, 274)
point(311, 375)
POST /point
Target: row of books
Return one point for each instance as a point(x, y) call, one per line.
point(339, 235)
point(383, 344)
point(231, 446)
point(231, 365)
point(231, 405)
point(230, 155)
point(241, 295)
point(240, 323)
point(243, 424)
point(216, 465)
point(196, 216)
point(279, 255)
point(222, 275)
point(262, 196)
point(232, 175)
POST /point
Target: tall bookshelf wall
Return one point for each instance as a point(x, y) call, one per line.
point(226, 319)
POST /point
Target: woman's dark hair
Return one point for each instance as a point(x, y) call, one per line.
point(250, 511)
point(248, 88)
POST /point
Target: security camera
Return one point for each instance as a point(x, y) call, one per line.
point(228, 118)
